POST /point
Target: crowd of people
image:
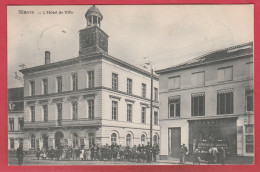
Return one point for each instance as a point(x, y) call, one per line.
point(114, 152)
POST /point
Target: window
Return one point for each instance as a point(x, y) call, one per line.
point(114, 110)
point(32, 141)
point(114, 138)
point(45, 113)
point(91, 139)
point(198, 104)
point(143, 90)
point(143, 139)
point(250, 100)
point(225, 74)
point(45, 86)
point(37, 143)
point(225, 101)
point(129, 140)
point(174, 106)
point(174, 82)
point(155, 139)
point(59, 111)
point(11, 143)
point(249, 131)
point(75, 139)
point(11, 124)
point(156, 118)
point(91, 109)
point(82, 144)
point(59, 84)
point(129, 112)
point(156, 94)
point(198, 79)
point(74, 78)
point(20, 123)
point(91, 79)
point(32, 114)
point(129, 86)
point(74, 110)
point(143, 116)
point(114, 81)
point(250, 69)
point(32, 84)
point(20, 142)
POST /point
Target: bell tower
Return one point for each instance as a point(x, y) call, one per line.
point(92, 38)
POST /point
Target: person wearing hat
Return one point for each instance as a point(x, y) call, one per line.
point(183, 152)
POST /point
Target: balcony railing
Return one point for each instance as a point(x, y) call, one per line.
point(63, 122)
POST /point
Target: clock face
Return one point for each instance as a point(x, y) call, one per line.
point(86, 40)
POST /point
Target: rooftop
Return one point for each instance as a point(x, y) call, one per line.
point(218, 55)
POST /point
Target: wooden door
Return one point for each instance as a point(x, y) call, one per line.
point(174, 142)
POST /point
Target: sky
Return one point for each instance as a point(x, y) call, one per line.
point(166, 34)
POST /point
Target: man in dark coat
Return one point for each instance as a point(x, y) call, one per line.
point(20, 154)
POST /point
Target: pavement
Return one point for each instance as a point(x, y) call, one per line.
point(29, 160)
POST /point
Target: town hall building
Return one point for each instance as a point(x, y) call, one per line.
point(91, 99)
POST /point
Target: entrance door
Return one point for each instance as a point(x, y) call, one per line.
point(174, 142)
point(58, 139)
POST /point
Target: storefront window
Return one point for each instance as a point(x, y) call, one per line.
point(205, 134)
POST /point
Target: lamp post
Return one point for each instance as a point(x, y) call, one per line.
point(151, 109)
point(151, 103)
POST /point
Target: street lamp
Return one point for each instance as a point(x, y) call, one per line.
point(151, 104)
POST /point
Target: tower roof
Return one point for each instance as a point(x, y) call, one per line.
point(93, 11)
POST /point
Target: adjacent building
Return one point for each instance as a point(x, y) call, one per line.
point(209, 101)
point(15, 118)
point(91, 99)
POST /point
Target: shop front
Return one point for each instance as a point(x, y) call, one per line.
point(208, 133)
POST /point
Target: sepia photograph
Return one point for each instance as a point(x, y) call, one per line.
point(130, 85)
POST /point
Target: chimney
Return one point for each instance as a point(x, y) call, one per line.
point(47, 57)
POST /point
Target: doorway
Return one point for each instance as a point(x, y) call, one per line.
point(58, 139)
point(174, 142)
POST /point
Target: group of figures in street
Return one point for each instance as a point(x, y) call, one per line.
point(114, 152)
point(216, 154)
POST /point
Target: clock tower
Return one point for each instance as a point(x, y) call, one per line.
point(92, 38)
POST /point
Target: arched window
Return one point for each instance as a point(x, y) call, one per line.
point(91, 139)
point(129, 140)
point(143, 139)
point(155, 139)
point(75, 139)
point(32, 141)
point(114, 138)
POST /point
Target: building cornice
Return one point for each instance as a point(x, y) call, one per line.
point(83, 92)
point(85, 58)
